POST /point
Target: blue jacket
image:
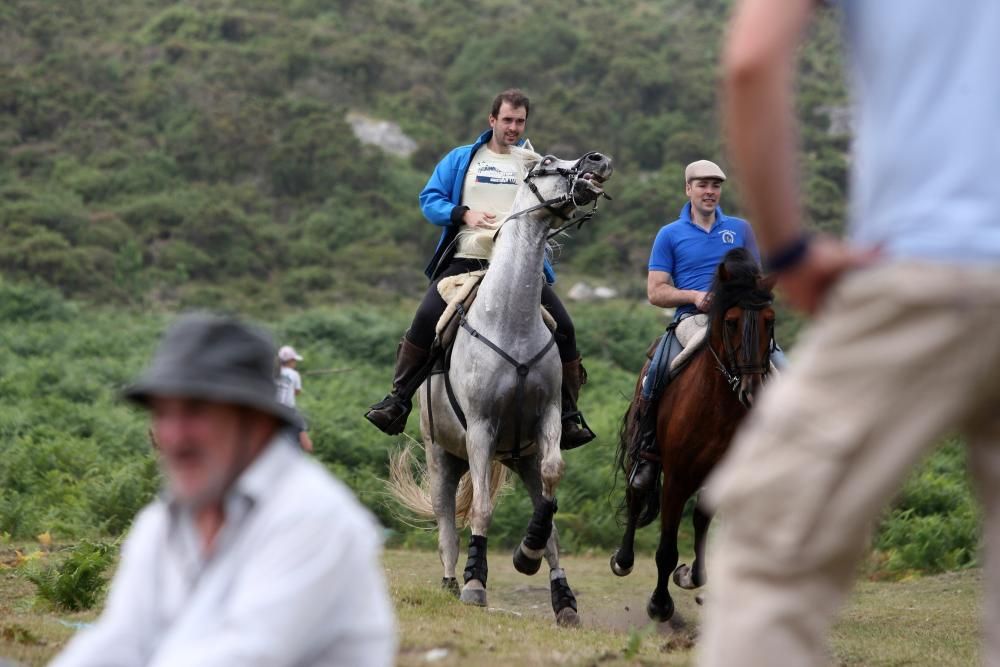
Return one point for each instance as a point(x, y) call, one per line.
point(441, 203)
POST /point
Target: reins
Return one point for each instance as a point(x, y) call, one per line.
point(733, 371)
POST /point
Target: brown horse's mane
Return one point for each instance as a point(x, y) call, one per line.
point(737, 282)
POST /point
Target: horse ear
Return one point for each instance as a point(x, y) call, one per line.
point(527, 157)
point(768, 282)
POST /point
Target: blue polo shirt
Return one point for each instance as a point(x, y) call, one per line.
point(690, 254)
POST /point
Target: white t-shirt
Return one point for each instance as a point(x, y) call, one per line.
point(490, 185)
point(289, 382)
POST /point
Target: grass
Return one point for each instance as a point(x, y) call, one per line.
point(919, 621)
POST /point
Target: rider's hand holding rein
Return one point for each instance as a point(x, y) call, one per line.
point(703, 301)
point(480, 219)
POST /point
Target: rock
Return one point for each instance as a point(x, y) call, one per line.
point(581, 292)
point(382, 133)
point(584, 292)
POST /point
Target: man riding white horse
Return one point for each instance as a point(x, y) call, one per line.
point(470, 192)
point(683, 260)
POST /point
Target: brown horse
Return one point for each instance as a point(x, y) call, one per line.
point(697, 414)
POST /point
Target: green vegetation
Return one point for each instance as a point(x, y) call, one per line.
point(76, 462)
point(198, 153)
point(78, 581)
point(157, 156)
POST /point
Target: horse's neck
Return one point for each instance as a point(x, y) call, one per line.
point(511, 290)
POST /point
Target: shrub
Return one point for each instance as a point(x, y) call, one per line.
point(78, 582)
point(35, 303)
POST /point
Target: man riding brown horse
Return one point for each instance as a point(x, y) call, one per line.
point(682, 263)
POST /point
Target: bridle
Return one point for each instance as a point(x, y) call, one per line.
point(734, 369)
point(558, 205)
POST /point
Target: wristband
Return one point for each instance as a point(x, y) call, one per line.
point(789, 256)
point(457, 213)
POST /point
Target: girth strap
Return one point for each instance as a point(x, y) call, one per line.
point(455, 407)
point(522, 374)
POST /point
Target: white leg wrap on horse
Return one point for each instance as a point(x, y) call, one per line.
point(557, 573)
point(533, 554)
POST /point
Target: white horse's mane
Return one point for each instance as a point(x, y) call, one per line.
point(525, 154)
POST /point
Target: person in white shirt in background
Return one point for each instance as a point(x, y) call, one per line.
point(254, 554)
point(290, 386)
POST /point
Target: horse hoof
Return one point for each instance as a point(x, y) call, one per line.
point(660, 613)
point(450, 584)
point(473, 593)
point(684, 578)
point(568, 618)
point(524, 564)
point(618, 569)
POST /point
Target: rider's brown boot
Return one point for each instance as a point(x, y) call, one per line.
point(575, 431)
point(412, 366)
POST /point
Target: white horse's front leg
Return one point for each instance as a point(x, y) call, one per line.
point(480, 444)
point(541, 476)
point(549, 434)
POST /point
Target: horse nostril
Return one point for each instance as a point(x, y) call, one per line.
point(596, 157)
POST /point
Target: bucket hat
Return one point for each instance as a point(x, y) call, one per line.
point(215, 358)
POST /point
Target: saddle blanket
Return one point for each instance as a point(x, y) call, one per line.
point(690, 334)
point(462, 289)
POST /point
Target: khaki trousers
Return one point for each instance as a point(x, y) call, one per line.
point(901, 355)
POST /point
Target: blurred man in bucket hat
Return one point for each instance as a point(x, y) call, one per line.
point(254, 554)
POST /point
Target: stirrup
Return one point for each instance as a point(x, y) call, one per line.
point(389, 415)
point(582, 434)
point(645, 471)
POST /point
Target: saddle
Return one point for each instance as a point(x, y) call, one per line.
point(670, 352)
point(459, 292)
point(667, 358)
point(462, 290)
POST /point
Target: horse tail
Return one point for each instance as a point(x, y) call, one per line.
point(625, 456)
point(409, 484)
point(499, 478)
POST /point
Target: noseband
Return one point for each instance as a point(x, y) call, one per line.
point(734, 369)
point(557, 205)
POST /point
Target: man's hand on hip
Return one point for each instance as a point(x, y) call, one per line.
point(479, 219)
point(827, 259)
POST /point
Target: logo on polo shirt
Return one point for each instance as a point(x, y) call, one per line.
point(728, 236)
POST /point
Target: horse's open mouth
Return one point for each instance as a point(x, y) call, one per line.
point(594, 183)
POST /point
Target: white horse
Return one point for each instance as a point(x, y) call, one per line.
point(505, 374)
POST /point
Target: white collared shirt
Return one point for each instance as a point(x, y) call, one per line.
point(294, 579)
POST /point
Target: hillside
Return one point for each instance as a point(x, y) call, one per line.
point(199, 153)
